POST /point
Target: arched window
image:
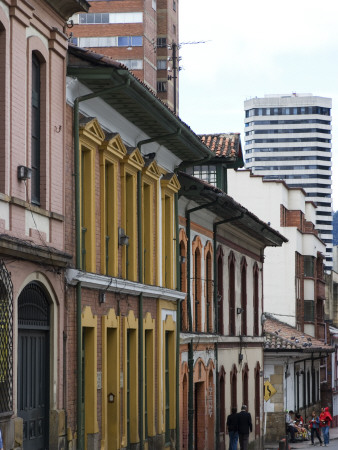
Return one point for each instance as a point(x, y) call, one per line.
point(185, 423)
point(233, 386)
point(232, 295)
point(256, 300)
point(39, 120)
point(220, 320)
point(208, 287)
point(183, 279)
point(35, 129)
point(3, 128)
point(197, 291)
point(244, 330)
point(197, 283)
point(245, 380)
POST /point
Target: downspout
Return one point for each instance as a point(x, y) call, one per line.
point(178, 324)
point(78, 261)
point(190, 345)
point(140, 278)
point(215, 225)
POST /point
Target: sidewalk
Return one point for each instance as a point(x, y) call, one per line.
point(307, 444)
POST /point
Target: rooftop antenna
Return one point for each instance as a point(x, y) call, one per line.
point(174, 47)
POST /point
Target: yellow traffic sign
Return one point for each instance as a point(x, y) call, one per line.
point(269, 391)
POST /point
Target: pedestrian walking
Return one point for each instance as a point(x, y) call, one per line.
point(1, 443)
point(325, 422)
point(232, 429)
point(244, 426)
point(314, 427)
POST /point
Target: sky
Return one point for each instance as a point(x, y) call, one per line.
point(247, 49)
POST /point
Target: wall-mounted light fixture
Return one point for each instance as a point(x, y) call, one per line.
point(123, 238)
point(182, 259)
point(111, 398)
point(240, 310)
point(240, 358)
point(24, 173)
point(102, 296)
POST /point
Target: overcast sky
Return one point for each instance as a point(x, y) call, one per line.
point(254, 48)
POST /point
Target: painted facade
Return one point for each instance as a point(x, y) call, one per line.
point(221, 354)
point(123, 219)
point(287, 210)
point(294, 297)
point(33, 48)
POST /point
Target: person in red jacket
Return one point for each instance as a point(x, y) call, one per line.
point(325, 422)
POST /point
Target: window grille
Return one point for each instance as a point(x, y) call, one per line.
point(161, 42)
point(161, 86)
point(6, 340)
point(33, 308)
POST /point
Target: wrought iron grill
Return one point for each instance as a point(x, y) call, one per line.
point(6, 340)
point(33, 308)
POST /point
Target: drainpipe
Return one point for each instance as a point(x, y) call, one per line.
point(140, 278)
point(78, 251)
point(178, 324)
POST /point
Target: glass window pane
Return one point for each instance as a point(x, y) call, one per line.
point(90, 18)
point(123, 41)
point(136, 41)
point(105, 18)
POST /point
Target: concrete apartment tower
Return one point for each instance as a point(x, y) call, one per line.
point(288, 137)
point(142, 34)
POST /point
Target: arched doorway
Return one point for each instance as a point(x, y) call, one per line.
point(33, 366)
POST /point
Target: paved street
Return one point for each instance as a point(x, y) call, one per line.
point(307, 444)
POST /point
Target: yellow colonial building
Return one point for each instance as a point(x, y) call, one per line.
point(123, 298)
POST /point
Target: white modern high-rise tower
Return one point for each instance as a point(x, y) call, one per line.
point(288, 137)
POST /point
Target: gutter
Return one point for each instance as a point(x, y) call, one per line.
point(80, 440)
point(192, 138)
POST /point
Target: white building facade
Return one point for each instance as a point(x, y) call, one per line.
point(288, 295)
point(288, 137)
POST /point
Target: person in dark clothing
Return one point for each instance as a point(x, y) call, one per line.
point(244, 426)
point(232, 429)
